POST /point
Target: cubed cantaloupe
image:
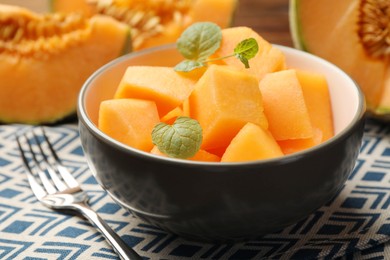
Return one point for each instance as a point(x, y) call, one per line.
point(268, 58)
point(201, 155)
point(172, 115)
point(223, 101)
point(284, 106)
point(296, 145)
point(129, 121)
point(252, 142)
point(316, 93)
point(162, 85)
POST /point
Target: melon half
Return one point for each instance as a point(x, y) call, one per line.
point(352, 34)
point(45, 59)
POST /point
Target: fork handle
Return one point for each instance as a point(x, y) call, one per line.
point(120, 247)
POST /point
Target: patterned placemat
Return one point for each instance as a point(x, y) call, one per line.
point(355, 224)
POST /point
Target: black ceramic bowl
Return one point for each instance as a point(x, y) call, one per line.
point(221, 201)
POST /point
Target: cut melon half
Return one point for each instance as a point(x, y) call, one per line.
point(352, 34)
point(43, 68)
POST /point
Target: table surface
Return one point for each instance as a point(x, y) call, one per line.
point(355, 224)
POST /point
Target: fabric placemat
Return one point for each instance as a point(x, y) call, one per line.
point(354, 225)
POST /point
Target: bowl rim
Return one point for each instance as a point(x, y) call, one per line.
point(87, 122)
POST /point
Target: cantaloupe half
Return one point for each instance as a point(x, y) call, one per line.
point(154, 22)
point(354, 35)
point(46, 59)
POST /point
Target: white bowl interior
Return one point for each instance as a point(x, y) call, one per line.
point(344, 92)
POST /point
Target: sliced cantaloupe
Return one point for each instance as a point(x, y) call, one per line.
point(223, 101)
point(129, 121)
point(154, 22)
point(317, 99)
point(46, 59)
point(268, 59)
point(162, 85)
point(201, 155)
point(252, 142)
point(351, 34)
point(284, 106)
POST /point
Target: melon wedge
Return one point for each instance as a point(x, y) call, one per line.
point(41, 75)
point(351, 34)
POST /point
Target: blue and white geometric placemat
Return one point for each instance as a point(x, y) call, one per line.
point(354, 225)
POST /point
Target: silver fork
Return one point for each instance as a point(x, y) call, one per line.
point(56, 188)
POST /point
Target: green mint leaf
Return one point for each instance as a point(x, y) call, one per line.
point(180, 140)
point(246, 50)
point(199, 41)
point(188, 65)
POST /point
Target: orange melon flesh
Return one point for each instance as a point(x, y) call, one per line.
point(284, 106)
point(268, 59)
point(172, 115)
point(201, 155)
point(296, 145)
point(43, 88)
point(329, 29)
point(160, 84)
point(129, 121)
point(252, 142)
point(223, 101)
point(317, 99)
point(204, 10)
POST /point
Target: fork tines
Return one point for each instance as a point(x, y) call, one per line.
point(42, 162)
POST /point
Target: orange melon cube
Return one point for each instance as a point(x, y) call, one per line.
point(186, 108)
point(296, 145)
point(129, 121)
point(171, 116)
point(162, 85)
point(316, 94)
point(223, 101)
point(201, 155)
point(268, 59)
point(284, 106)
point(252, 143)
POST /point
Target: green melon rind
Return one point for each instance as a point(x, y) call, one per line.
point(295, 25)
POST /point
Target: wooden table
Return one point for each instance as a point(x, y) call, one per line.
point(268, 17)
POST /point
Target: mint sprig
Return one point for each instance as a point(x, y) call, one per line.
point(180, 140)
point(199, 41)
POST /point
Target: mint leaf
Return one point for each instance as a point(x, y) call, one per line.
point(188, 65)
point(246, 50)
point(199, 41)
point(180, 140)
